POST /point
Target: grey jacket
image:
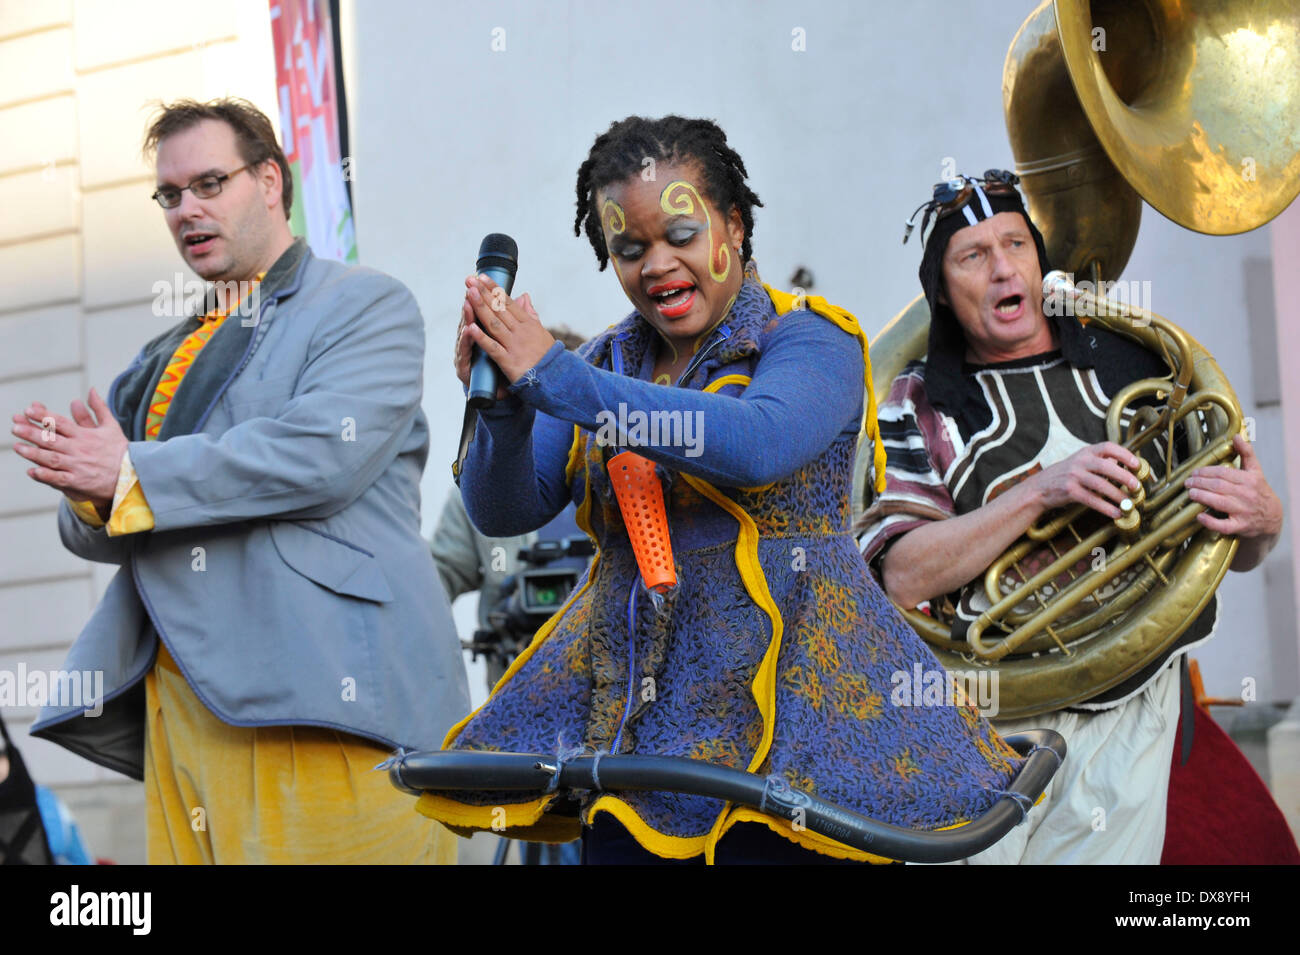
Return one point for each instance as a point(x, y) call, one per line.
point(285, 571)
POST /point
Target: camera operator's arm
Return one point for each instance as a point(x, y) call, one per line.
point(454, 549)
point(941, 556)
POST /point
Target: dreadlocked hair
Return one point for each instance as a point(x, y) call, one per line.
point(621, 151)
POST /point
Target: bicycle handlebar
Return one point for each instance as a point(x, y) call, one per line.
point(459, 770)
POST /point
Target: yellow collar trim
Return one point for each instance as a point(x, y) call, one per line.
point(786, 302)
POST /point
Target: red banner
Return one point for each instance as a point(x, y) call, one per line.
point(306, 65)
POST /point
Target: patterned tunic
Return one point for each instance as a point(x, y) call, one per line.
point(774, 652)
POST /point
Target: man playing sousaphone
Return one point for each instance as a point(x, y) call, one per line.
point(1003, 422)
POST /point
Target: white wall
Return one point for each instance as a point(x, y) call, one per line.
point(452, 140)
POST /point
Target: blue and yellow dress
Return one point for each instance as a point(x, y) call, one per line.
point(776, 652)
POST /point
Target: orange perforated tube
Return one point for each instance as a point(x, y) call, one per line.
point(641, 500)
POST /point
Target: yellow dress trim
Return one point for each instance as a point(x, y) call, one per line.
point(543, 632)
point(719, 383)
point(751, 573)
point(548, 829)
point(807, 839)
point(785, 302)
point(804, 838)
point(450, 811)
point(455, 813)
point(666, 846)
point(764, 685)
point(576, 456)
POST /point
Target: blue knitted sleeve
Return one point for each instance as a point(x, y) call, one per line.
point(513, 479)
point(806, 389)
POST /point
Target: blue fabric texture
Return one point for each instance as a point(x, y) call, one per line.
point(61, 830)
point(626, 671)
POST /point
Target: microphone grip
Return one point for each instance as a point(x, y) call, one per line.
point(484, 375)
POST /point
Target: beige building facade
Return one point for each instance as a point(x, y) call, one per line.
point(82, 248)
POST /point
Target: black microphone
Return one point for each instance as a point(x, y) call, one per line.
point(498, 259)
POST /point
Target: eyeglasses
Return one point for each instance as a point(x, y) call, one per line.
point(204, 187)
point(951, 194)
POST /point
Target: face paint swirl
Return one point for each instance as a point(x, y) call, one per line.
point(671, 249)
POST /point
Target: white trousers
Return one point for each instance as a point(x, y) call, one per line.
point(1106, 804)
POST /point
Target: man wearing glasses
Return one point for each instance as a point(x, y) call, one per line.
point(276, 627)
point(1002, 422)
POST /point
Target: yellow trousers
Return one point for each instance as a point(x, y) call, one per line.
point(216, 793)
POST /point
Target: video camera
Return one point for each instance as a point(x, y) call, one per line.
point(529, 598)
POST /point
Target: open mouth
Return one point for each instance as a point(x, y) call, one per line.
point(1010, 307)
point(673, 299)
point(199, 241)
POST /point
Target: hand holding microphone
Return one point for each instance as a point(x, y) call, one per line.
point(468, 354)
point(508, 334)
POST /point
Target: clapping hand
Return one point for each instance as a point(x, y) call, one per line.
point(79, 456)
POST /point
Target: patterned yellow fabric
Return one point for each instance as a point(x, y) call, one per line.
point(86, 511)
point(220, 794)
point(173, 374)
point(131, 513)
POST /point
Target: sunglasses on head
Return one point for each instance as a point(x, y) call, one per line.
point(951, 194)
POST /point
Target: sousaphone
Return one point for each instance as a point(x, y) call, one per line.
point(1193, 106)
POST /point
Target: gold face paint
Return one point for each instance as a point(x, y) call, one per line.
point(664, 380)
point(676, 199)
point(679, 198)
point(614, 221)
point(612, 217)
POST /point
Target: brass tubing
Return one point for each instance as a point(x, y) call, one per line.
point(1114, 567)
